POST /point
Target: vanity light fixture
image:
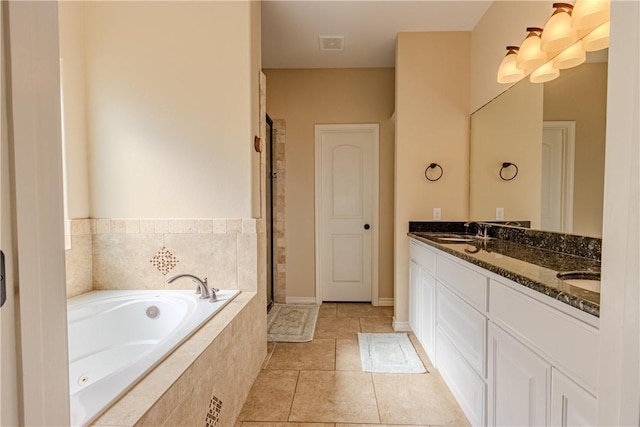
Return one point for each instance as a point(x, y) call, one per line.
point(589, 14)
point(571, 57)
point(597, 39)
point(530, 56)
point(508, 72)
point(545, 73)
point(558, 33)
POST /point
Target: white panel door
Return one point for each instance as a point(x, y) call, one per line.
point(345, 183)
point(518, 382)
point(558, 140)
point(571, 405)
point(8, 357)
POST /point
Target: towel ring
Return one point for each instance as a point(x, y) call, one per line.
point(506, 165)
point(433, 166)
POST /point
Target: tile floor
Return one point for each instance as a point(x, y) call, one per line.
point(321, 383)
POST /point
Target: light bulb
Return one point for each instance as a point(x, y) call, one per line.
point(508, 72)
point(545, 73)
point(558, 33)
point(597, 39)
point(530, 56)
point(570, 57)
point(588, 14)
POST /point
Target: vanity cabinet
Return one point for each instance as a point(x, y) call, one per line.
point(518, 382)
point(510, 355)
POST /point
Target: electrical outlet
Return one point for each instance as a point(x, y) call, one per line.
point(500, 214)
point(437, 214)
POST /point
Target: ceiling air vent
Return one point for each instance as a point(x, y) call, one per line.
point(331, 43)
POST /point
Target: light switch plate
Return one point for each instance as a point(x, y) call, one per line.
point(500, 214)
point(437, 214)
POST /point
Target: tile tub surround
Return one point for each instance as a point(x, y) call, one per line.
point(143, 253)
point(529, 266)
point(218, 363)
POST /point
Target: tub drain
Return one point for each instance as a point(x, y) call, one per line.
point(153, 312)
point(83, 380)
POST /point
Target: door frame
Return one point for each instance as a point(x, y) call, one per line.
point(319, 230)
point(568, 168)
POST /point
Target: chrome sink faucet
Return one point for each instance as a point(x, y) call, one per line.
point(481, 229)
point(203, 289)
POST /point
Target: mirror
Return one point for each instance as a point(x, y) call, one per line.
point(555, 135)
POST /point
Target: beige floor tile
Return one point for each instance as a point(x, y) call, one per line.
point(416, 399)
point(327, 309)
point(376, 324)
point(318, 355)
point(341, 396)
point(337, 328)
point(381, 425)
point(421, 353)
point(245, 424)
point(348, 356)
point(270, 347)
point(270, 396)
point(362, 310)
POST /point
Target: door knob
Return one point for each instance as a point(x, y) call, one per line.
point(367, 226)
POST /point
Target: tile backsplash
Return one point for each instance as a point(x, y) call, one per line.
point(144, 253)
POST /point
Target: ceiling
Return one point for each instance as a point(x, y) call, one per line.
point(290, 29)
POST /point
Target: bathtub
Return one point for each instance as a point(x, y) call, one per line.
point(116, 337)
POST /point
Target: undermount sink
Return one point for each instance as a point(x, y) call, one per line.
point(452, 237)
point(455, 239)
point(588, 280)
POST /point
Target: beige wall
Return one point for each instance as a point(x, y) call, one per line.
point(172, 108)
point(306, 97)
point(503, 24)
point(71, 32)
point(432, 125)
point(580, 95)
point(508, 129)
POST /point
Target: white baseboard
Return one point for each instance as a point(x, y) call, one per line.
point(385, 302)
point(401, 326)
point(301, 300)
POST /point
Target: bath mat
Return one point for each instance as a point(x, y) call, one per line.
point(291, 322)
point(389, 353)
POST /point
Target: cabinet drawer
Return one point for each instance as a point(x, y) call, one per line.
point(465, 326)
point(423, 256)
point(465, 384)
point(567, 342)
point(470, 285)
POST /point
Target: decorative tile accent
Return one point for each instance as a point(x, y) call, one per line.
point(103, 226)
point(147, 226)
point(213, 415)
point(249, 225)
point(164, 261)
point(118, 226)
point(205, 226)
point(234, 225)
point(132, 226)
point(219, 226)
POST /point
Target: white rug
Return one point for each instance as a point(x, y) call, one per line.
point(291, 322)
point(389, 353)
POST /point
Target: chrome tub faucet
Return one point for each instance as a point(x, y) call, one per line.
point(203, 288)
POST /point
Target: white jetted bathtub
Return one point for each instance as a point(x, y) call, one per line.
point(115, 337)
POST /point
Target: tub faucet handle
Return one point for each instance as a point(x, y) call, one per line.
point(212, 293)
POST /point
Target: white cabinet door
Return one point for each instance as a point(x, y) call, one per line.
point(571, 405)
point(518, 382)
point(414, 298)
point(428, 311)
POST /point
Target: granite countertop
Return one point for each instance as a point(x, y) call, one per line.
point(529, 266)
